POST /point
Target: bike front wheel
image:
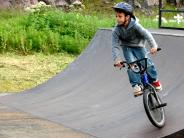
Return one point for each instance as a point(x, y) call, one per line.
point(152, 102)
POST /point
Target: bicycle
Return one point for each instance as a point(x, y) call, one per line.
point(153, 105)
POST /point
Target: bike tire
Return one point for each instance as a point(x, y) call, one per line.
point(151, 99)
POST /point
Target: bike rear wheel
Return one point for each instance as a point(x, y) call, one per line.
point(151, 102)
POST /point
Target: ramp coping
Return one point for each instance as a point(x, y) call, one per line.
point(168, 32)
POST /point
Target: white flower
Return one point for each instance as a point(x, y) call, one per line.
point(33, 6)
point(163, 19)
point(28, 9)
point(37, 7)
point(42, 3)
point(178, 18)
point(76, 3)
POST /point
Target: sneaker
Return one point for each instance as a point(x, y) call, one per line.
point(157, 85)
point(137, 90)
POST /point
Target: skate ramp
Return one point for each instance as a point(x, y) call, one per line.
point(93, 97)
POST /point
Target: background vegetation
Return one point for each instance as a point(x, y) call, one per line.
point(49, 31)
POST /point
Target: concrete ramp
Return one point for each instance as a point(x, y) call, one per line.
point(93, 97)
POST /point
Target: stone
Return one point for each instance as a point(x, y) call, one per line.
point(4, 4)
point(27, 3)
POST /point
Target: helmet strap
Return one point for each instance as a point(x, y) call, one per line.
point(127, 21)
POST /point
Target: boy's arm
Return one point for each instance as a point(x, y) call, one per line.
point(116, 48)
point(146, 35)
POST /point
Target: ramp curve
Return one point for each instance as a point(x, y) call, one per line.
point(93, 97)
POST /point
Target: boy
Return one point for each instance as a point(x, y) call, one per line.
point(130, 37)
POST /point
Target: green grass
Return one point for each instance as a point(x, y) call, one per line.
point(148, 23)
point(18, 73)
point(173, 25)
point(171, 21)
point(51, 31)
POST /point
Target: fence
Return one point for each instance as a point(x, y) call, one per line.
point(161, 11)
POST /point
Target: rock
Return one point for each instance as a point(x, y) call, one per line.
point(77, 2)
point(60, 3)
point(152, 2)
point(4, 4)
point(27, 3)
point(180, 3)
point(106, 2)
point(137, 4)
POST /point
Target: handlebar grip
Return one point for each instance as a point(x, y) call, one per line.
point(122, 63)
point(158, 49)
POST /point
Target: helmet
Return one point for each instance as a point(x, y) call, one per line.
point(124, 7)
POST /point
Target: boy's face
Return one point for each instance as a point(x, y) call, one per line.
point(121, 18)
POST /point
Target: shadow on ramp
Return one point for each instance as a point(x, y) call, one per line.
point(93, 97)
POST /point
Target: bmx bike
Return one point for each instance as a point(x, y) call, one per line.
point(153, 104)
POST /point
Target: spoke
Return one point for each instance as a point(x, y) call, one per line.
point(157, 113)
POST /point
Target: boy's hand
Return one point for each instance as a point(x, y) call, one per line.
point(118, 63)
point(153, 50)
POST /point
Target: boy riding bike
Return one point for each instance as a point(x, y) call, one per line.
point(131, 38)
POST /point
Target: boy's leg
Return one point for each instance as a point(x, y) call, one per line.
point(130, 57)
point(141, 53)
point(152, 74)
point(151, 70)
point(134, 78)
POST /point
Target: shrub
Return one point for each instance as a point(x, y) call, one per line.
point(49, 31)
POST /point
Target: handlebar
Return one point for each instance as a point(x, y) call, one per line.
point(158, 49)
point(137, 66)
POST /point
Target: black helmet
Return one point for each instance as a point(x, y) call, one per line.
point(124, 7)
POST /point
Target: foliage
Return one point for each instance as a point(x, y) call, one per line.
point(49, 31)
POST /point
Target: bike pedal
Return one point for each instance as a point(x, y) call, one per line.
point(162, 105)
point(139, 94)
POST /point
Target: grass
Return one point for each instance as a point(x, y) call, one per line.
point(18, 72)
point(173, 25)
point(49, 31)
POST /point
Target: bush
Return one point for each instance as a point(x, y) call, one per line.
point(49, 31)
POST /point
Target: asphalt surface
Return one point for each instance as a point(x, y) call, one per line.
point(18, 124)
point(93, 97)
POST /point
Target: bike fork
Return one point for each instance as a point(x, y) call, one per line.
point(160, 105)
